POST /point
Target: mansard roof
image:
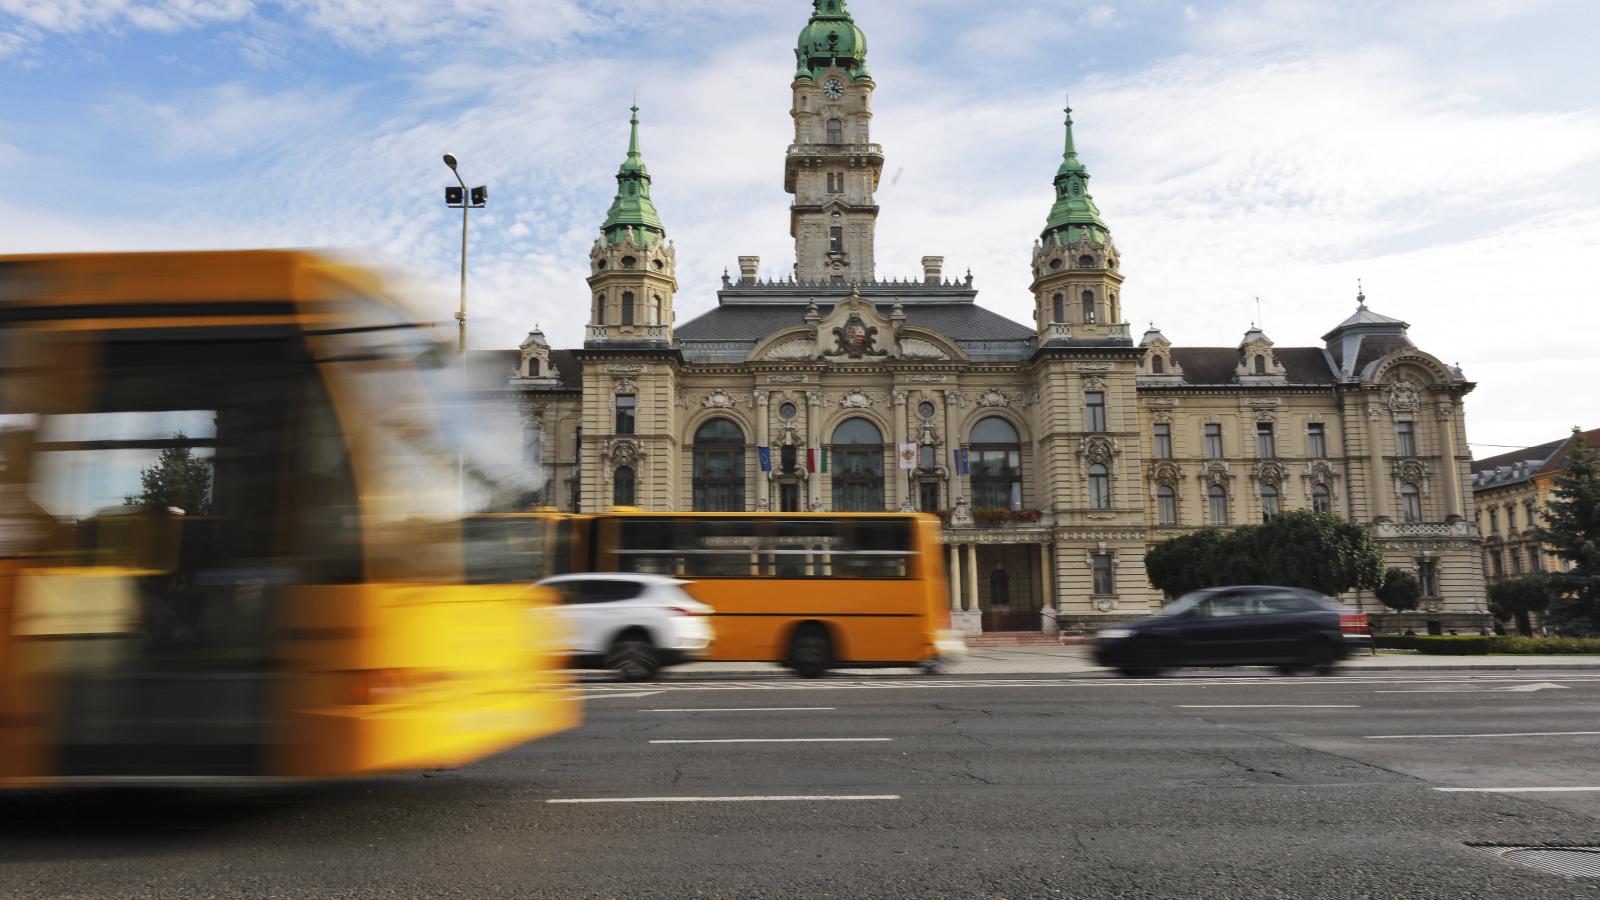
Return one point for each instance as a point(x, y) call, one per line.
point(1522, 465)
point(752, 323)
point(1218, 365)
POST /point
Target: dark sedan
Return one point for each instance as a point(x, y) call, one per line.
point(1291, 628)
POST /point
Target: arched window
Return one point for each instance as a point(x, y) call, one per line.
point(1166, 505)
point(996, 465)
point(857, 467)
point(1099, 487)
point(1217, 502)
point(835, 131)
point(1059, 307)
point(622, 487)
point(1088, 307)
point(1158, 365)
point(1320, 499)
point(655, 310)
point(1411, 502)
point(1269, 502)
point(1261, 364)
point(599, 317)
point(627, 307)
point(718, 473)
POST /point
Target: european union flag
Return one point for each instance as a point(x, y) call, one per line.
point(765, 455)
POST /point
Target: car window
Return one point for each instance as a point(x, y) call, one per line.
point(1276, 602)
point(607, 591)
point(1225, 606)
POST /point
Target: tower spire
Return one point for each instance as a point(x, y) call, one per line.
point(632, 211)
point(1074, 217)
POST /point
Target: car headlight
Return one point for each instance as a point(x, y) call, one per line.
point(1114, 633)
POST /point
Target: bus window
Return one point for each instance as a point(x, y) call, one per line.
point(875, 548)
point(503, 549)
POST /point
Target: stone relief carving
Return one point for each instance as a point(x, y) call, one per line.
point(799, 348)
point(1167, 473)
point(916, 348)
point(1411, 471)
point(625, 370)
point(928, 379)
point(786, 379)
point(1091, 367)
point(622, 452)
point(855, 400)
point(1162, 415)
point(993, 397)
point(1270, 473)
point(1404, 395)
point(721, 399)
point(1094, 383)
point(1264, 402)
point(1161, 402)
point(1216, 473)
point(625, 386)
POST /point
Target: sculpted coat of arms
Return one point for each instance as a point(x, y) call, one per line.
point(856, 338)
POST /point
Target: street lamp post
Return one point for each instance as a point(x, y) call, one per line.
point(475, 198)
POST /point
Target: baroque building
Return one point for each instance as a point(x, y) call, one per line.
point(1511, 492)
point(1056, 451)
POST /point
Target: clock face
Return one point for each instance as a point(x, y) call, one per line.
point(834, 88)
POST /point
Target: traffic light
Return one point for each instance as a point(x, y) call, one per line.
point(452, 196)
point(480, 196)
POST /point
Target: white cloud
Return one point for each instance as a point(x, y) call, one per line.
point(162, 15)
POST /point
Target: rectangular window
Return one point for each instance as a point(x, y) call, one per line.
point(929, 496)
point(1163, 442)
point(1266, 445)
point(1213, 441)
point(836, 239)
point(1499, 561)
point(1516, 562)
point(1428, 577)
point(1405, 439)
point(1094, 403)
point(1535, 560)
point(1494, 521)
point(1511, 517)
point(625, 408)
point(627, 308)
point(1166, 506)
point(1316, 441)
point(1103, 582)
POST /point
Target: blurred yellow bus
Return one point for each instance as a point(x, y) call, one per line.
point(233, 532)
point(812, 591)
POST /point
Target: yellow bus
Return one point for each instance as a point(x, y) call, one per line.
point(812, 591)
point(233, 531)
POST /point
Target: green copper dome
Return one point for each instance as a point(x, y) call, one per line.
point(1074, 216)
point(830, 39)
point(632, 207)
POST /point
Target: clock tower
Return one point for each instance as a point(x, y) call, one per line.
point(832, 168)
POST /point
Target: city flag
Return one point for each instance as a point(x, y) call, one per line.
point(765, 455)
point(908, 456)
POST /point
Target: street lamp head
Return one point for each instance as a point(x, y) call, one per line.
point(450, 161)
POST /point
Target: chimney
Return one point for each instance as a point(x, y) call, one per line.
point(747, 269)
point(932, 269)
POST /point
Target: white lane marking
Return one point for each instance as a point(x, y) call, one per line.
point(780, 741)
point(773, 799)
point(610, 695)
point(746, 709)
point(1517, 790)
point(1272, 706)
point(1396, 737)
point(1520, 688)
point(1350, 680)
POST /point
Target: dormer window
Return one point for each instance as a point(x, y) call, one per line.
point(1158, 365)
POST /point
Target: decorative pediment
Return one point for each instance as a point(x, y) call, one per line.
point(856, 330)
point(1269, 473)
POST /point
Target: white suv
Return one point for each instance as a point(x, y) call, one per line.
point(631, 624)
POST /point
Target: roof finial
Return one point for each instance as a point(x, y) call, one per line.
point(1361, 294)
point(1072, 150)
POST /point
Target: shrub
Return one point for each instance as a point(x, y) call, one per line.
point(1474, 645)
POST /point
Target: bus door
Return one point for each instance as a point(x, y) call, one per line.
point(167, 483)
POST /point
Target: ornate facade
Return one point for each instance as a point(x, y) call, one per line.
point(1512, 491)
point(1056, 451)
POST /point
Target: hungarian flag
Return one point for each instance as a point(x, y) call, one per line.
point(811, 460)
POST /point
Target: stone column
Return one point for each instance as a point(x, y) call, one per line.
point(1452, 476)
point(955, 581)
point(901, 497)
point(952, 439)
point(1379, 478)
point(1047, 587)
point(763, 482)
point(813, 439)
point(974, 608)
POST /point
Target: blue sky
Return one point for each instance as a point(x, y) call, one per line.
point(1447, 153)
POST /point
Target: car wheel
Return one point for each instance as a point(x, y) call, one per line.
point(1151, 658)
point(1320, 657)
point(810, 651)
point(1288, 670)
point(633, 658)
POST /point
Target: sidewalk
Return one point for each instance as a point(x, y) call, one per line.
point(1076, 660)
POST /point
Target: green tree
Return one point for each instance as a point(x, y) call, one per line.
point(1518, 597)
point(1319, 551)
point(1185, 563)
point(178, 479)
point(1400, 591)
point(1571, 529)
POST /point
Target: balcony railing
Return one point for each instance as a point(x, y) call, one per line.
point(1057, 331)
point(602, 333)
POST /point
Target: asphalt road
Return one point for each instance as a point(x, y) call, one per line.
point(1194, 786)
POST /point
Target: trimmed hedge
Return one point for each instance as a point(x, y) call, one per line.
point(1474, 645)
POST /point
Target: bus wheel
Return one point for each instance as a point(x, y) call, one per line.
point(810, 651)
point(633, 658)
